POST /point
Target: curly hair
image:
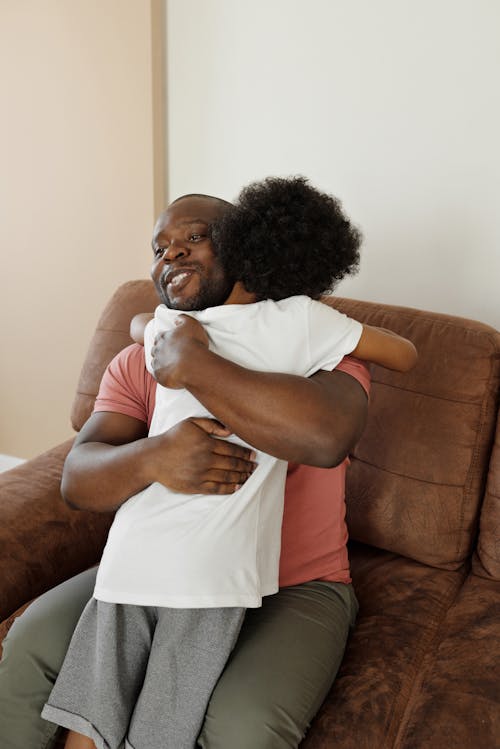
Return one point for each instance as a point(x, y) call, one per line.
point(283, 237)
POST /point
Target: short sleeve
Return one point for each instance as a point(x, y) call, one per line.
point(127, 387)
point(331, 335)
point(358, 369)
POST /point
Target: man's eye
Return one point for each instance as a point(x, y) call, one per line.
point(158, 251)
point(196, 237)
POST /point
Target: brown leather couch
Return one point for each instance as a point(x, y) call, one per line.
point(421, 668)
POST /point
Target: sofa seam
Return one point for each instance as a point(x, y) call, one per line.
point(430, 646)
point(382, 383)
point(405, 475)
point(467, 490)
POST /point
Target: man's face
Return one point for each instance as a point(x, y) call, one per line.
point(185, 270)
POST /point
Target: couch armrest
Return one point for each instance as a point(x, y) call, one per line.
point(42, 541)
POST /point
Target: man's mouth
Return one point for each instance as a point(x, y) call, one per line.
point(177, 279)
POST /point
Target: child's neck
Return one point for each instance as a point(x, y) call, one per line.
point(239, 295)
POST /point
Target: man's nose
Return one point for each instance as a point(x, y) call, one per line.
point(174, 250)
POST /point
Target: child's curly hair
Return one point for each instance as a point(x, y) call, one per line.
point(283, 237)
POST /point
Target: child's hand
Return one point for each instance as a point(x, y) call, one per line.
point(173, 350)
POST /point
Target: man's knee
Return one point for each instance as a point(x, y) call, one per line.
point(271, 689)
point(246, 722)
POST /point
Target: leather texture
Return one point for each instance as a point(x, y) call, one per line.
point(486, 559)
point(42, 541)
point(418, 474)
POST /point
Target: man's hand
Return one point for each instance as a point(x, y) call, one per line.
point(195, 461)
point(113, 458)
point(172, 348)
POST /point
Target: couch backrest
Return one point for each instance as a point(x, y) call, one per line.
point(110, 337)
point(419, 472)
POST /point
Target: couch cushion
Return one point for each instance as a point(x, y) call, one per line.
point(457, 703)
point(402, 606)
point(418, 473)
point(110, 337)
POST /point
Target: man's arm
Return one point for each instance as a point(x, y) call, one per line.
point(112, 459)
point(314, 421)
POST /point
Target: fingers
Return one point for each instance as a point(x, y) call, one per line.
point(236, 465)
point(232, 450)
point(221, 476)
point(227, 475)
point(211, 426)
point(235, 453)
point(229, 463)
point(207, 464)
point(212, 487)
point(188, 327)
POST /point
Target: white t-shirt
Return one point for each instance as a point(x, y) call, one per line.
point(201, 551)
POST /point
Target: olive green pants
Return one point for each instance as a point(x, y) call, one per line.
point(280, 671)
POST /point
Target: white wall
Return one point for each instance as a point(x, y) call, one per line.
point(76, 195)
point(394, 106)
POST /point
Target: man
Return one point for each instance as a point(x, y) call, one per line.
point(290, 649)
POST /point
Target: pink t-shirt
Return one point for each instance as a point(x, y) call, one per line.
point(314, 532)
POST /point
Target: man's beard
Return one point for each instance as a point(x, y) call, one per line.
point(211, 293)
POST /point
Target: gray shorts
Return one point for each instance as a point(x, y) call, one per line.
point(141, 677)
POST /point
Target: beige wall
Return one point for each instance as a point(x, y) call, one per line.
point(392, 105)
point(77, 196)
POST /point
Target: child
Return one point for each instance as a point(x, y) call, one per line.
point(203, 559)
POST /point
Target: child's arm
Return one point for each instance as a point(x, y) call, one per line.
point(386, 348)
point(137, 325)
